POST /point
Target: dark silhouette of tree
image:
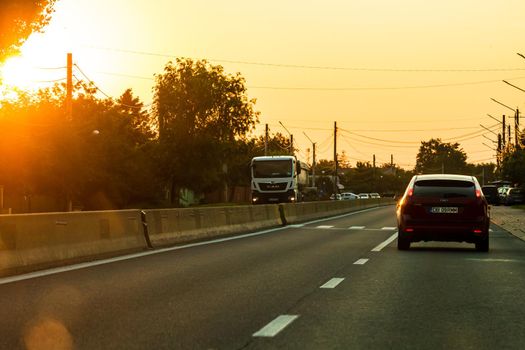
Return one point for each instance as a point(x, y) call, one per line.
point(513, 167)
point(20, 18)
point(101, 159)
point(435, 156)
point(201, 112)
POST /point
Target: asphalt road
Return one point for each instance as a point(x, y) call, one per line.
point(324, 285)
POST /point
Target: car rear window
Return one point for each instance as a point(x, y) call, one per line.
point(444, 189)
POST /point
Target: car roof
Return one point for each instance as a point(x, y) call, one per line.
point(444, 177)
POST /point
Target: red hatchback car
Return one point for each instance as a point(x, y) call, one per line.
point(443, 207)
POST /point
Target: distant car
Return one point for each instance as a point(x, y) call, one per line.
point(364, 196)
point(514, 195)
point(375, 195)
point(349, 196)
point(502, 191)
point(491, 194)
point(335, 196)
point(443, 207)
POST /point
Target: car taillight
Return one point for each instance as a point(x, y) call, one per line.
point(477, 231)
point(478, 194)
point(410, 192)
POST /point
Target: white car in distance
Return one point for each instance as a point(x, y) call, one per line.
point(349, 196)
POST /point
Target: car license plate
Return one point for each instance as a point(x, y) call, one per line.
point(444, 210)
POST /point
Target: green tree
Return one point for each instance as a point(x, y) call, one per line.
point(513, 167)
point(20, 18)
point(436, 156)
point(101, 159)
point(485, 172)
point(278, 145)
point(201, 112)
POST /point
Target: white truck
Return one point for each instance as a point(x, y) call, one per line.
point(278, 179)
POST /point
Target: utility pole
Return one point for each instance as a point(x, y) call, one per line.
point(69, 87)
point(374, 171)
point(336, 189)
point(498, 156)
point(503, 132)
point(517, 129)
point(508, 133)
point(266, 140)
point(313, 159)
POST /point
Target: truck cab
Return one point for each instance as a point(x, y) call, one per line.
point(277, 179)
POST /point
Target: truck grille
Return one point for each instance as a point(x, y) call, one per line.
point(280, 186)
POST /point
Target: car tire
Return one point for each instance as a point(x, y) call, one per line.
point(402, 243)
point(482, 245)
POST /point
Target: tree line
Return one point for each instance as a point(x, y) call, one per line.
point(196, 135)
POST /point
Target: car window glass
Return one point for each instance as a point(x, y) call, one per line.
point(444, 189)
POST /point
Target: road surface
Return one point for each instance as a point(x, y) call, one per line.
point(328, 284)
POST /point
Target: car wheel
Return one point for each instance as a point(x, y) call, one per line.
point(402, 243)
point(482, 245)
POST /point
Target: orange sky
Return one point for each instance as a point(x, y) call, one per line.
point(390, 73)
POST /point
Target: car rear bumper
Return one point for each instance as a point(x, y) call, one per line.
point(471, 232)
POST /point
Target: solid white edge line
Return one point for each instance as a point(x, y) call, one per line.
point(334, 282)
point(385, 243)
point(56, 270)
point(84, 265)
point(277, 325)
point(361, 261)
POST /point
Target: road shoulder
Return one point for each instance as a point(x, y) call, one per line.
point(510, 219)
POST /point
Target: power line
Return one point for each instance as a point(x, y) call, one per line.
point(302, 66)
point(377, 139)
point(50, 68)
point(48, 81)
point(298, 88)
point(90, 81)
point(389, 130)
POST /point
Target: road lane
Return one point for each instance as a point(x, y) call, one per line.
point(209, 296)
point(434, 296)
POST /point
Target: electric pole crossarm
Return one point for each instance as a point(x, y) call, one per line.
point(484, 127)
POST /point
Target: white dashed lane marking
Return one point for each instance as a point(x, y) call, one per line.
point(325, 226)
point(385, 243)
point(388, 228)
point(277, 325)
point(361, 262)
point(332, 283)
point(356, 227)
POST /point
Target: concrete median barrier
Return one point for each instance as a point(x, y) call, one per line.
point(32, 241)
point(174, 226)
point(301, 212)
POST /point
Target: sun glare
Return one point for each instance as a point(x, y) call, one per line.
point(16, 73)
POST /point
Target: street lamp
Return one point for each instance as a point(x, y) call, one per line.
point(313, 159)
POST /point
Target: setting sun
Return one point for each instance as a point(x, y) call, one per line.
point(16, 73)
